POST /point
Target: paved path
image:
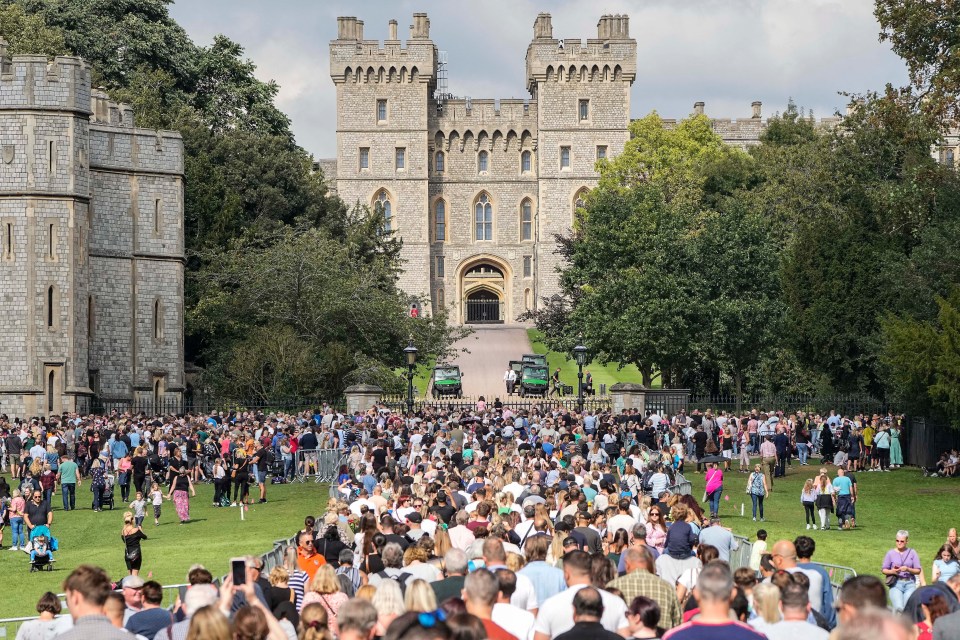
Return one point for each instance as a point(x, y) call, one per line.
point(490, 350)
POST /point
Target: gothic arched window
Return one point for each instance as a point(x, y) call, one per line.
point(483, 218)
point(382, 204)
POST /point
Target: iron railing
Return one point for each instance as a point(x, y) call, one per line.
point(398, 402)
point(845, 405)
point(322, 465)
point(204, 405)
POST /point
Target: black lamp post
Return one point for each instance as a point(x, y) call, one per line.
point(411, 352)
point(580, 355)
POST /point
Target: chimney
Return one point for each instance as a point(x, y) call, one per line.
point(698, 108)
point(755, 105)
point(603, 28)
point(624, 26)
point(543, 27)
point(358, 30)
point(392, 30)
point(421, 26)
point(618, 26)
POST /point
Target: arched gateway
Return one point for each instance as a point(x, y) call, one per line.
point(484, 282)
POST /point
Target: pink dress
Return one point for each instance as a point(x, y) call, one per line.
point(656, 537)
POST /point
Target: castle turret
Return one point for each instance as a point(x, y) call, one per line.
point(583, 95)
point(384, 91)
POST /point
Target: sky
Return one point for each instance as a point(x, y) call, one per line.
point(726, 53)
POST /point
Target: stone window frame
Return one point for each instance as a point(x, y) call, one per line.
point(388, 199)
point(157, 215)
point(52, 228)
point(91, 317)
point(483, 162)
point(441, 298)
point(363, 159)
point(477, 200)
point(578, 201)
point(529, 156)
point(606, 152)
point(568, 149)
point(157, 324)
point(583, 104)
point(527, 266)
point(400, 158)
point(526, 200)
point(386, 111)
point(439, 162)
point(527, 299)
point(51, 307)
point(8, 241)
point(436, 223)
point(440, 268)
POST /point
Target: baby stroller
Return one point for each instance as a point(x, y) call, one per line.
point(107, 498)
point(42, 544)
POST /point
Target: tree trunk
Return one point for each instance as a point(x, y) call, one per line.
point(738, 386)
point(646, 374)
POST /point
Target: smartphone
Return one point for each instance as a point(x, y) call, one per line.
point(238, 569)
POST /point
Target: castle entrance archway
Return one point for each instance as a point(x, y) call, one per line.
point(484, 283)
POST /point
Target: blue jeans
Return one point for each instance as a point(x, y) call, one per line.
point(754, 443)
point(714, 499)
point(19, 539)
point(900, 593)
point(69, 492)
point(757, 500)
point(802, 452)
point(97, 496)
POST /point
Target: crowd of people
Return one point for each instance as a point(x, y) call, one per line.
point(485, 522)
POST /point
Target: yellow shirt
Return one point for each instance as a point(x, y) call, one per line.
point(868, 436)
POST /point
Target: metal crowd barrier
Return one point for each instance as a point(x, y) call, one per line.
point(740, 557)
point(323, 465)
point(681, 486)
point(838, 575)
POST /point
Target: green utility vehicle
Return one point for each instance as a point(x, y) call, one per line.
point(534, 358)
point(447, 381)
point(534, 380)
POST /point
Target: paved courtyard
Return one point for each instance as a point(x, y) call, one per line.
point(490, 349)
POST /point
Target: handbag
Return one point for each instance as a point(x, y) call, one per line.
point(891, 580)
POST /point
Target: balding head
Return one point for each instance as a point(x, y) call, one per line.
point(784, 554)
point(493, 552)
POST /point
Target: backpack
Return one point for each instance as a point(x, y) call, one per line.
point(645, 483)
point(268, 457)
point(400, 579)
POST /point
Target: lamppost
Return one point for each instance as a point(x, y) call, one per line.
point(411, 352)
point(580, 355)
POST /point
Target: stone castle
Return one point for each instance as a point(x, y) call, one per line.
point(91, 245)
point(478, 188)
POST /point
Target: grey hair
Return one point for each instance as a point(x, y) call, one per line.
point(455, 561)
point(903, 533)
point(640, 531)
point(392, 555)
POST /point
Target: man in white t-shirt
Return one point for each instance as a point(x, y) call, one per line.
point(556, 614)
point(623, 520)
point(517, 621)
point(795, 606)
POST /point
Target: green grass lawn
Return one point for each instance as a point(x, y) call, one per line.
point(212, 537)
point(901, 499)
point(602, 374)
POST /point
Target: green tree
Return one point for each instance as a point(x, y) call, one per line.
point(927, 36)
point(29, 34)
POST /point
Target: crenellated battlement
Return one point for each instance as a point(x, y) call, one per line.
point(38, 82)
point(354, 59)
point(106, 111)
point(745, 132)
point(610, 57)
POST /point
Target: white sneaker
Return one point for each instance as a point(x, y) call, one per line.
point(233, 504)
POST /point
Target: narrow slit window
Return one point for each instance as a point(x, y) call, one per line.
point(50, 307)
point(8, 240)
point(564, 157)
point(91, 315)
point(51, 231)
point(51, 155)
point(157, 209)
point(157, 321)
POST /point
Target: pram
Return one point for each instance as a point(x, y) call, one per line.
point(107, 498)
point(42, 546)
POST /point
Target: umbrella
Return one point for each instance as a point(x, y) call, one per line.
point(713, 458)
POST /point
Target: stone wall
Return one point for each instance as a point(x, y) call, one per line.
point(79, 191)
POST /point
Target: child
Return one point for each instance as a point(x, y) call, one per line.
point(40, 548)
point(156, 497)
point(139, 507)
point(759, 548)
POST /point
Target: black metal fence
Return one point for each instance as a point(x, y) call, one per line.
point(484, 311)
point(591, 403)
point(926, 439)
point(844, 405)
point(203, 405)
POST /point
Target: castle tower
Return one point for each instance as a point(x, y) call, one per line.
point(383, 98)
point(91, 246)
point(583, 97)
point(44, 233)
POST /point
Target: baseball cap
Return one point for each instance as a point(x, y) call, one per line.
point(414, 517)
point(131, 582)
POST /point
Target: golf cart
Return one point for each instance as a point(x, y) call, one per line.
point(533, 380)
point(446, 381)
point(534, 358)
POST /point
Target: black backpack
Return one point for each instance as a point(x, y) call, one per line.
point(400, 579)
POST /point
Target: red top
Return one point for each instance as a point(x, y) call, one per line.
point(496, 632)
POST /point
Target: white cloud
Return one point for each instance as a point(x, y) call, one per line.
point(727, 53)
